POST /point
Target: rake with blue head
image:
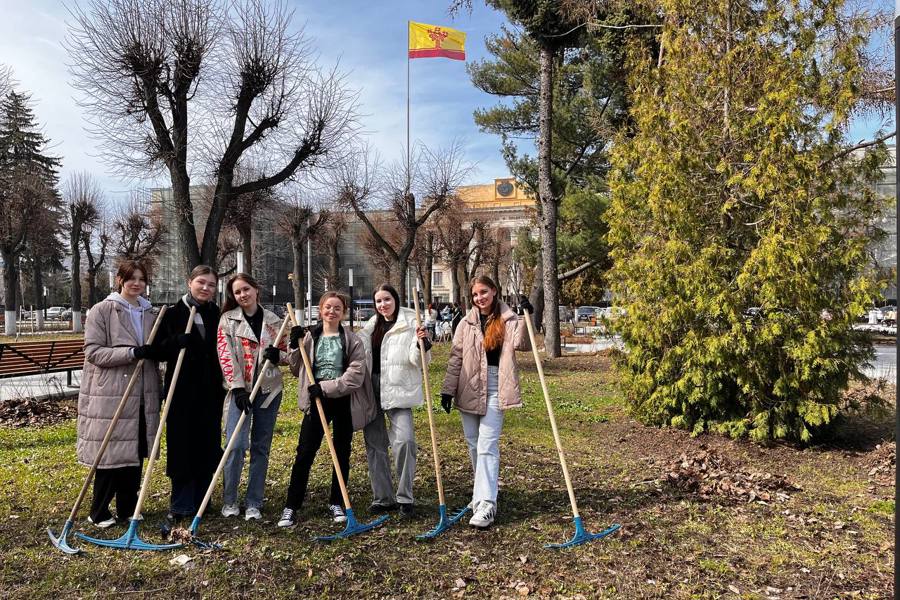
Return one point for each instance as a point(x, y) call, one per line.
point(444, 522)
point(61, 542)
point(353, 526)
point(581, 535)
point(130, 540)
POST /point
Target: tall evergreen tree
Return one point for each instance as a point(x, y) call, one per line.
point(28, 179)
point(567, 87)
point(739, 222)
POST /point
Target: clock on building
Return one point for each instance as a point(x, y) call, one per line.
point(505, 188)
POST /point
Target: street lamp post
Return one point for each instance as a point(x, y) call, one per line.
point(351, 292)
point(897, 281)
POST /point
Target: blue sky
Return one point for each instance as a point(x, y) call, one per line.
point(369, 40)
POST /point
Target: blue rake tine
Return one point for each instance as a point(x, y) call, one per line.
point(60, 542)
point(581, 535)
point(353, 527)
point(443, 523)
point(195, 524)
point(129, 540)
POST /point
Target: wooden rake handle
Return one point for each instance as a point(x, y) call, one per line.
point(138, 368)
point(311, 379)
point(427, 385)
point(551, 414)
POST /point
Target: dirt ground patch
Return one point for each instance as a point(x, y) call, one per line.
point(31, 412)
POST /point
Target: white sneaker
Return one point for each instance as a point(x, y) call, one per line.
point(287, 518)
point(484, 515)
point(252, 514)
point(230, 510)
point(103, 524)
point(337, 513)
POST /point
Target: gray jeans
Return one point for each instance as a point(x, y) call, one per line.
point(400, 436)
point(255, 436)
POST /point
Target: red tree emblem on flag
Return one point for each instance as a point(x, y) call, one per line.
point(438, 35)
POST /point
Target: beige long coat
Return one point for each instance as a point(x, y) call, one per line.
point(108, 339)
point(466, 378)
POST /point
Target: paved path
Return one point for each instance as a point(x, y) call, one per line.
point(52, 385)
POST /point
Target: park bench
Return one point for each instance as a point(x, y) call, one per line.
point(39, 358)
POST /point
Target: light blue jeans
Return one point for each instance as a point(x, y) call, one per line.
point(483, 438)
point(257, 437)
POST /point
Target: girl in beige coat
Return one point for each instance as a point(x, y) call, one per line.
point(115, 337)
point(483, 381)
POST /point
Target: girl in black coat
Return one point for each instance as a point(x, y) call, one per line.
point(194, 427)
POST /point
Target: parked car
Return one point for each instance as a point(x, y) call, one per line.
point(586, 313)
point(56, 313)
point(364, 313)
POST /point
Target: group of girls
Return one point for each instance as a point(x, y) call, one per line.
point(368, 380)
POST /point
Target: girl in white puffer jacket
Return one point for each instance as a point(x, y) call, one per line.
point(391, 340)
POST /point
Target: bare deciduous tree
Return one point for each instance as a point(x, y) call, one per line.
point(137, 232)
point(461, 245)
point(85, 202)
point(432, 175)
point(330, 239)
point(95, 263)
point(175, 84)
point(300, 222)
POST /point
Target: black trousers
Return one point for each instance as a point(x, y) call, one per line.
point(337, 412)
point(121, 483)
point(187, 494)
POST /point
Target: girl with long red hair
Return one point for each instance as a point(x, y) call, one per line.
point(482, 382)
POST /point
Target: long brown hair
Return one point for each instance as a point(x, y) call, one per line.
point(380, 323)
point(494, 330)
point(230, 301)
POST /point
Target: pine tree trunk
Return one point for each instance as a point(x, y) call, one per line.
point(536, 295)
point(549, 209)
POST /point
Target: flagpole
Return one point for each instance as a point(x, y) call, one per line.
point(408, 175)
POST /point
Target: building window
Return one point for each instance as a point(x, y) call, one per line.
point(437, 278)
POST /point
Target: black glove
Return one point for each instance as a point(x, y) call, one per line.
point(315, 391)
point(272, 354)
point(242, 399)
point(446, 402)
point(297, 332)
point(427, 343)
point(525, 305)
point(145, 351)
point(188, 340)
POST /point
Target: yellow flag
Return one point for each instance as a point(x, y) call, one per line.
point(433, 41)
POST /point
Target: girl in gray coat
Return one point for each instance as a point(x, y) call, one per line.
point(115, 337)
